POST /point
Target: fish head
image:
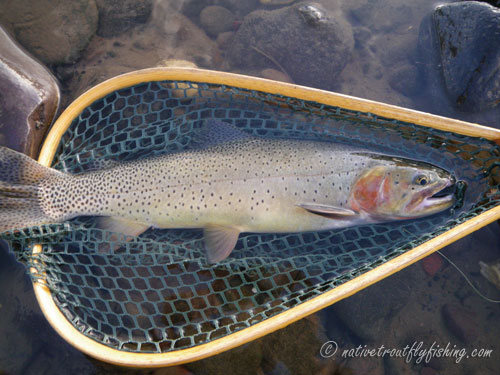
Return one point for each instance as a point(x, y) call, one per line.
point(399, 188)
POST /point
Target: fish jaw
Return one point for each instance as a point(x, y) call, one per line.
point(426, 204)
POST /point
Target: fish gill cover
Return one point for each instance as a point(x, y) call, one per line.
point(156, 293)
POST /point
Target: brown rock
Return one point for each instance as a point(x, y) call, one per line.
point(460, 321)
point(311, 44)
point(55, 31)
point(216, 19)
point(29, 98)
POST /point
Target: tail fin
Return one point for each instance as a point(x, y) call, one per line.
point(20, 203)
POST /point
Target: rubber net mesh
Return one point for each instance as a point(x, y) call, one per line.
point(156, 293)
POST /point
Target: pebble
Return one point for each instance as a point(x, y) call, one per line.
point(216, 19)
point(54, 31)
point(29, 98)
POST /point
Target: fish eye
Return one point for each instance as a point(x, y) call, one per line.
point(421, 180)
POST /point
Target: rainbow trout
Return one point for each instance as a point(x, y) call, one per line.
point(232, 183)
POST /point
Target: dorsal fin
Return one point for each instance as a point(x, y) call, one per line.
point(215, 132)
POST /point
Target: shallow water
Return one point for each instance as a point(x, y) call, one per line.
point(385, 41)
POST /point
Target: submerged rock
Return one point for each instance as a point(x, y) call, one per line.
point(118, 16)
point(216, 19)
point(311, 44)
point(55, 31)
point(167, 35)
point(468, 37)
point(29, 98)
point(461, 322)
point(432, 264)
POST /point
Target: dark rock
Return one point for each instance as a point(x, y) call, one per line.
point(460, 321)
point(468, 36)
point(54, 31)
point(29, 98)
point(118, 16)
point(193, 8)
point(216, 19)
point(430, 71)
point(312, 50)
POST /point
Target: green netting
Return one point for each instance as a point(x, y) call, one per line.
point(155, 293)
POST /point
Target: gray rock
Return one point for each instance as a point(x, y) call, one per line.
point(216, 19)
point(309, 43)
point(118, 16)
point(468, 34)
point(434, 89)
point(55, 31)
point(29, 98)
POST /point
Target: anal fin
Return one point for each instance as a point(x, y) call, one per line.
point(219, 242)
point(119, 225)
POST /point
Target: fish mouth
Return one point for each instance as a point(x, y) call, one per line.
point(443, 197)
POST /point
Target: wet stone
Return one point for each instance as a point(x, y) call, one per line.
point(468, 40)
point(54, 31)
point(307, 42)
point(216, 19)
point(118, 16)
point(29, 98)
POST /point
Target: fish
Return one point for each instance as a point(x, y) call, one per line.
point(231, 182)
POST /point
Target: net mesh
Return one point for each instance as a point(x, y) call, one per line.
point(156, 293)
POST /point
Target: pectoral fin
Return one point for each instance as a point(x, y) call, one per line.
point(119, 225)
point(328, 211)
point(219, 242)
